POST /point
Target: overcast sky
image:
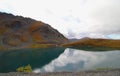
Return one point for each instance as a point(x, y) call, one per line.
point(73, 18)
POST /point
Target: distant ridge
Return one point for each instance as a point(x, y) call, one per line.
point(94, 43)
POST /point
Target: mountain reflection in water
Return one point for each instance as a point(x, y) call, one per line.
point(76, 60)
point(58, 59)
point(10, 60)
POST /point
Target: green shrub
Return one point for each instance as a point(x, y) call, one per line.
point(26, 69)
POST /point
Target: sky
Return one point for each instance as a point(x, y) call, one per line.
point(73, 18)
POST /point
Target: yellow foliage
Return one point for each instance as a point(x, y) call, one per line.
point(96, 42)
point(37, 38)
point(41, 45)
point(20, 69)
point(3, 30)
point(35, 35)
point(3, 48)
point(26, 69)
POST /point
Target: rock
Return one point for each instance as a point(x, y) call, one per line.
point(114, 72)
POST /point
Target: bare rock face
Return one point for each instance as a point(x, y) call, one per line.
point(17, 31)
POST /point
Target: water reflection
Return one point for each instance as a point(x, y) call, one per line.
point(76, 60)
point(10, 60)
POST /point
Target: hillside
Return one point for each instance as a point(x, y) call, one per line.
point(20, 32)
point(88, 42)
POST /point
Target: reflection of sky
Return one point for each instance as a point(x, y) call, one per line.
point(75, 60)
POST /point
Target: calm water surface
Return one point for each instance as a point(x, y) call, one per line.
point(58, 59)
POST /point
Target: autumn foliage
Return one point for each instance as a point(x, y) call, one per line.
point(24, 39)
point(21, 32)
point(37, 38)
point(35, 26)
point(96, 43)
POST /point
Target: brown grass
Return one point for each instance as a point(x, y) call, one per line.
point(35, 26)
point(41, 45)
point(96, 42)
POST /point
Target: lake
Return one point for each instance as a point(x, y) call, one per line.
point(58, 59)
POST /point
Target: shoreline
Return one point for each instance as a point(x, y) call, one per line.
point(112, 72)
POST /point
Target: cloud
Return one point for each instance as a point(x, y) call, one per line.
point(98, 17)
point(76, 60)
point(72, 34)
point(80, 16)
point(102, 16)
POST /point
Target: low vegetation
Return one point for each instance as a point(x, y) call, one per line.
point(41, 45)
point(106, 43)
point(26, 69)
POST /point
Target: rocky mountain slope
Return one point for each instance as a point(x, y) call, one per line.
point(20, 32)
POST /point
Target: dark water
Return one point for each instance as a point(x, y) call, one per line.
point(58, 59)
point(10, 60)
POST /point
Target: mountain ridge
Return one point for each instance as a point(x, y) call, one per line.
point(22, 32)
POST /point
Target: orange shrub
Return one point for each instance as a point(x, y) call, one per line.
point(35, 26)
point(37, 38)
point(23, 38)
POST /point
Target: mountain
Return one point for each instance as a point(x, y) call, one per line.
point(88, 43)
point(73, 39)
point(20, 32)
